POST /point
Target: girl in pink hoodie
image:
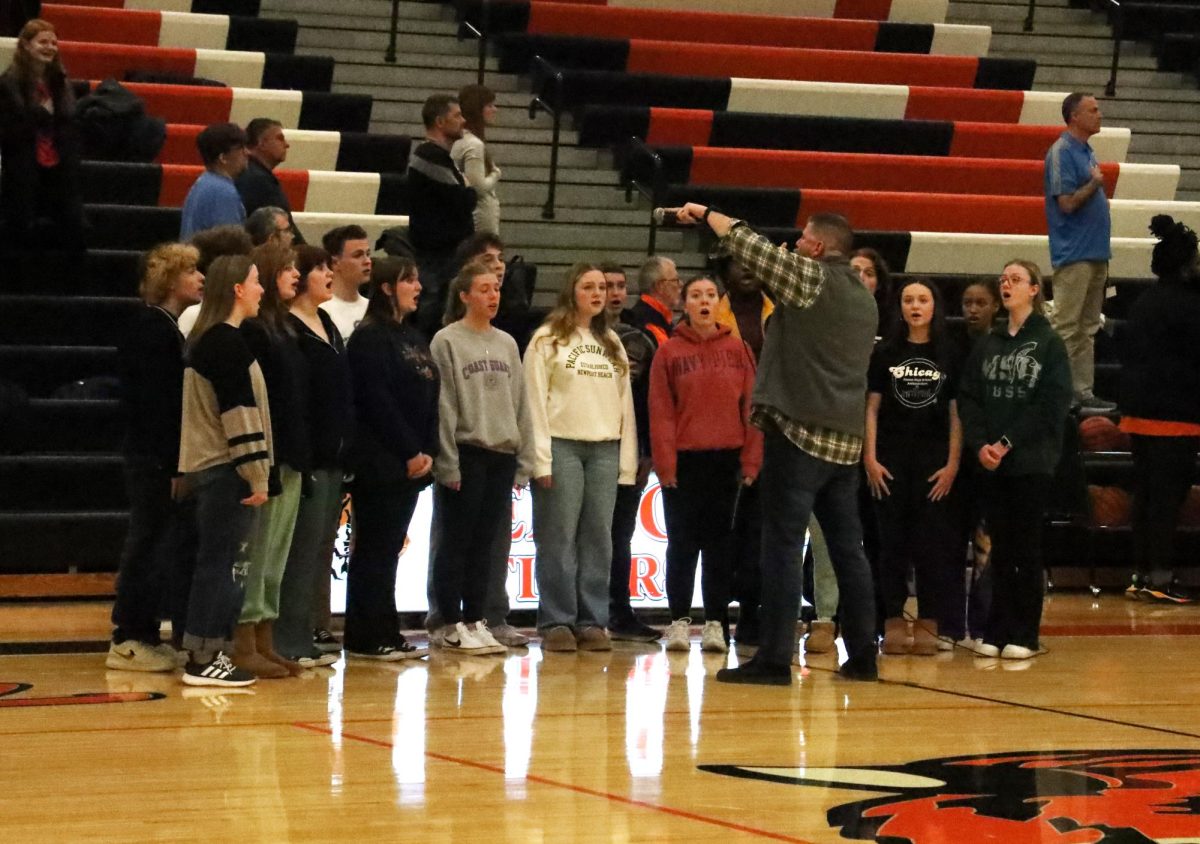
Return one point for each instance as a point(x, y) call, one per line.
point(703, 448)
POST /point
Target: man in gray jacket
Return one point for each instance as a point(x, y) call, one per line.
point(810, 401)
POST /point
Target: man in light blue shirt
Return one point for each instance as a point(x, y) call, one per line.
point(213, 199)
point(1080, 232)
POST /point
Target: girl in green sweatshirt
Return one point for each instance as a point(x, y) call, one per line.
point(1015, 394)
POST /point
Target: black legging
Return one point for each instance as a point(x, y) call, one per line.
point(699, 516)
point(381, 518)
point(1015, 507)
point(1163, 468)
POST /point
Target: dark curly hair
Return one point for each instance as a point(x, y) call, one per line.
point(1175, 253)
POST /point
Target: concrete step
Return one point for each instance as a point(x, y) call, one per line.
point(1069, 49)
point(583, 197)
point(376, 77)
point(580, 236)
point(410, 48)
point(625, 215)
point(1094, 78)
point(1129, 112)
point(453, 59)
point(352, 12)
point(1003, 17)
point(1181, 146)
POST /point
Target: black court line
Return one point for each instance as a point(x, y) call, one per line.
point(1030, 706)
point(64, 647)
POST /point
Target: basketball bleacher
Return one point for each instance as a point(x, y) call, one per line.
point(874, 108)
point(63, 505)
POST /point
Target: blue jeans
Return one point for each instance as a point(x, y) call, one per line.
point(224, 524)
point(572, 526)
point(795, 486)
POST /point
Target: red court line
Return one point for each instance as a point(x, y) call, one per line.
point(578, 789)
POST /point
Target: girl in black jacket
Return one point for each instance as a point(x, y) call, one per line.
point(39, 179)
point(1160, 403)
point(396, 387)
point(329, 413)
point(274, 343)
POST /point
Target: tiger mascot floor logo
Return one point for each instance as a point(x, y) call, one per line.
point(1039, 797)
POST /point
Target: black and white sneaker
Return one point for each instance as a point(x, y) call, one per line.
point(219, 672)
point(388, 653)
point(325, 642)
point(316, 659)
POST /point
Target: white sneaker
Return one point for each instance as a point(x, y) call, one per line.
point(712, 638)
point(132, 655)
point(986, 649)
point(1020, 652)
point(461, 639)
point(484, 636)
point(679, 637)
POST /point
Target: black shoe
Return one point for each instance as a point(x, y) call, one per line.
point(324, 641)
point(860, 668)
point(632, 630)
point(757, 673)
point(219, 671)
point(747, 630)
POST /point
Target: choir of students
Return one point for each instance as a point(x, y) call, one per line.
point(276, 415)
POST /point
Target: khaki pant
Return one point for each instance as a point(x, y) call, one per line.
point(1078, 299)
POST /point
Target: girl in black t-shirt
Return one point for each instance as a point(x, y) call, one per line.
point(911, 456)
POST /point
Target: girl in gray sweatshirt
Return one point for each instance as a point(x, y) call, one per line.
point(486, 447)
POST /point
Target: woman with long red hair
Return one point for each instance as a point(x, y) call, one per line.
point(39, 159)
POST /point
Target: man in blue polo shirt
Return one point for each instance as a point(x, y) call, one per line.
point(213, 199)
point(1080, 232)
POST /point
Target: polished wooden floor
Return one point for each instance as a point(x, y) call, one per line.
point(1102, 737)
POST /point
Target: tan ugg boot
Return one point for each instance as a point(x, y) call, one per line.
point(264, 641)
point(925, 637)
point(821, 637)
point(895, 637)
point(246, 656)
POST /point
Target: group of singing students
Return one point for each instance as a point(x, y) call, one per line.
point(809, 366)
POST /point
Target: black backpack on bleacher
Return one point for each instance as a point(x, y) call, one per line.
point(114, 126)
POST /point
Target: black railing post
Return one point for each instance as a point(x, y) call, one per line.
point(390, 55)
point(543, 70)
point(657, 191)
point(1110, 90)
point(1028, 27)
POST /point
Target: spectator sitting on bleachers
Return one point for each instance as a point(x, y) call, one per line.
point(39, 159)
point(350, 256)
point(441, 204)
point(1160, 403)
point(213, 199)
point(270, 222)
point(266, 149)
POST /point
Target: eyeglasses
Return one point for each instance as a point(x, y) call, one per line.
point(1014, 279)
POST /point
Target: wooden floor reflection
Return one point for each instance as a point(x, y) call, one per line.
point(636, 745)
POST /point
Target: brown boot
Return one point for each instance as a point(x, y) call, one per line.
point(264, 641)
point(821, 636)
point(925, 637)
point(895, 637)
point(246, 656)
